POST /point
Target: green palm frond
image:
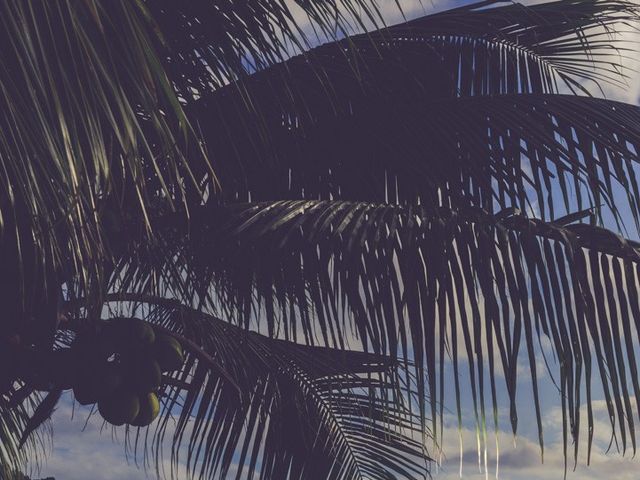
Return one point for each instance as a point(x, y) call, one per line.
point(411, 114)
point(315, 269)
point(88, 113)
point(93, 135)
point(535, 48)
point(211, 43)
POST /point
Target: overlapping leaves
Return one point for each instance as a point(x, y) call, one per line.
point(440, 123)
point(14, 418)
point(440, 118)
point(415, 113)
point(279, 409)
point(490, 287)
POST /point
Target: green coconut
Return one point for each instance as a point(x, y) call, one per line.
point(121, 407)
point(110, 379)
point(97, 380)
point(143, 332)
point(149, 410)
point(113, 329)
point(115, 335)
point(140, 331)
point(106, 345)
point(168, 353)
point(144, 375)
point(89, 372)
point(128, 333)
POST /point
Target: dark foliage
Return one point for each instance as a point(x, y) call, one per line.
point(327, 232)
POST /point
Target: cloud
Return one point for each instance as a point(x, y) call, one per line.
point(85, 448)
point(81, 452)
point(520, 459)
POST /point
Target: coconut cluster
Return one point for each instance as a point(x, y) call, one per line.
point(120, 368)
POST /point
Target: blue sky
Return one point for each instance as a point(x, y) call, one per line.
point(102, 453)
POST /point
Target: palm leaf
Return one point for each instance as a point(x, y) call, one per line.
point(491, 287)
point(316, 270)
point(396, 105)
point(209, 44)
point(482, 48)
point(338, 414)
point(555, 43)
point(92, 126)
point(14, 420)
point(348, 120)
point(490, 151)
point(93, 135)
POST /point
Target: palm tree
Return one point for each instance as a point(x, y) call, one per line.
point(328, 230)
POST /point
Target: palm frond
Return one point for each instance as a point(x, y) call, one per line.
point(209, 44)
point(536, 48)
point(395, 104)
point(554, 153)
point(478, 49)
point(88, 114)
point(14, 418)
point(92, 126)
point(450, 125)
point(491, 287)
point(301, 410)
point(93, 135)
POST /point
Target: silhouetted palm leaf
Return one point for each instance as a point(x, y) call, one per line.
point(404, 116)
point(299, 411)
point(92, 127)
point(14, 419)
point(378, 206)
point(490, 151)
point(317, 270)
point(93, 132)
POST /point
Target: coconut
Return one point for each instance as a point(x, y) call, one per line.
point(88, 348)
point(110, 379)
point(128, 333)
point(149, 410)
point(115, 335)
point(168, 353)
point(143, 332)
point(121, 407)
point(106, 345)
point(144, 374)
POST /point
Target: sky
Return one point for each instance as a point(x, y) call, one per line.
point(78, 436)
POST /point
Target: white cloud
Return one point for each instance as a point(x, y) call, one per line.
point(82, 452)
point(521, 459)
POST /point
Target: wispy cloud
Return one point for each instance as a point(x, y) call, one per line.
point(84, 448)
point(520, 458)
